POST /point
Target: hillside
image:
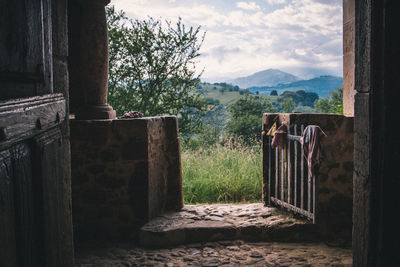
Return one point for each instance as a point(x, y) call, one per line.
point(220, 93)
point(321, 85)
point(270, 77)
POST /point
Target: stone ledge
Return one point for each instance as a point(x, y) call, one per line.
point(204, 223)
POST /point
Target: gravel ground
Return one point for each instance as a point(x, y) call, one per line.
point(222, 253)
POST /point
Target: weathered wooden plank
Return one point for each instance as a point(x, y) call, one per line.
point(22, 118)
point(21, 77)
point(270, 167)
point(266, 167)
point(47, 86)
point(48, 176)
point(293, 208)
point(24, 205)
point(276, 193)
point(294, 137)
point(295, 167)
point(7, 213)
point(302, 174)
point(25, 48)
point(315, 197)
point(283, 174)
point(289, 170)
point(309, 196)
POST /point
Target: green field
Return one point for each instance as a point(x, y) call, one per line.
point(223, 174)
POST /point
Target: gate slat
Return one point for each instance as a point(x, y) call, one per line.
point(289, 170)
point(276, 172)
point(283, 175)
point(295, 168)
point(302, 175)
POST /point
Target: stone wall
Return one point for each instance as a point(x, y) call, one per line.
point(334, 209)
point(124, 173)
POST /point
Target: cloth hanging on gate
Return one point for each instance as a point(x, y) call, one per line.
point(311, 141)
point(272, 130)
point(279, 137)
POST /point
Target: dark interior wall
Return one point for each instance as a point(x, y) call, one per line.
point(377, 145)
point(386, 142)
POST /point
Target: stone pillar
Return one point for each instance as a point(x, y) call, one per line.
point(93, 61)
point(348, 56)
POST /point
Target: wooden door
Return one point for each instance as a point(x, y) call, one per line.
point(32, 182)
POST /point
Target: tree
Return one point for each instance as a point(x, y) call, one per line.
point(288, 105)
point(152, 69)
point(300, 97)
point(332, 104)
point(246, 117)
point(274, 92)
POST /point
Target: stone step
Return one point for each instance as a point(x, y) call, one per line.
point(205, 223)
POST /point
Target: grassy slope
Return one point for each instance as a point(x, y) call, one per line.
point(227, 97)
point(222, 174)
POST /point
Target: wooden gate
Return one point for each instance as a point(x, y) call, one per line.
point(290, 185)
point(32, 182)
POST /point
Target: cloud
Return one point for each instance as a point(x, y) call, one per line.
point(248, 5)
point(275, 2)
point(221, 53)
point(293, 34)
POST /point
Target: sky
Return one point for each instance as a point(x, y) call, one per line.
point(302, 37)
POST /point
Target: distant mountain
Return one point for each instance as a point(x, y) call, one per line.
point(270, 77)
point(321, 85)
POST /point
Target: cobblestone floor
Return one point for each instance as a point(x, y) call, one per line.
point(222, 253)
point(199, 223)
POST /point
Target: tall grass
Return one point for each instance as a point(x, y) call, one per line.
point(229, 173)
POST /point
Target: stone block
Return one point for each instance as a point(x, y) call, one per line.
point(348, 10)
point(129, 167)
point(268, 120)
point(348, 37)
point(348, 84)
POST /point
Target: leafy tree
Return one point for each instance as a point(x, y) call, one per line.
point(300, 97)
point(274, 92)
point(332, 104)
point(246, 117)
point(288, 105)
point(152, 69)
point(306, 99)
